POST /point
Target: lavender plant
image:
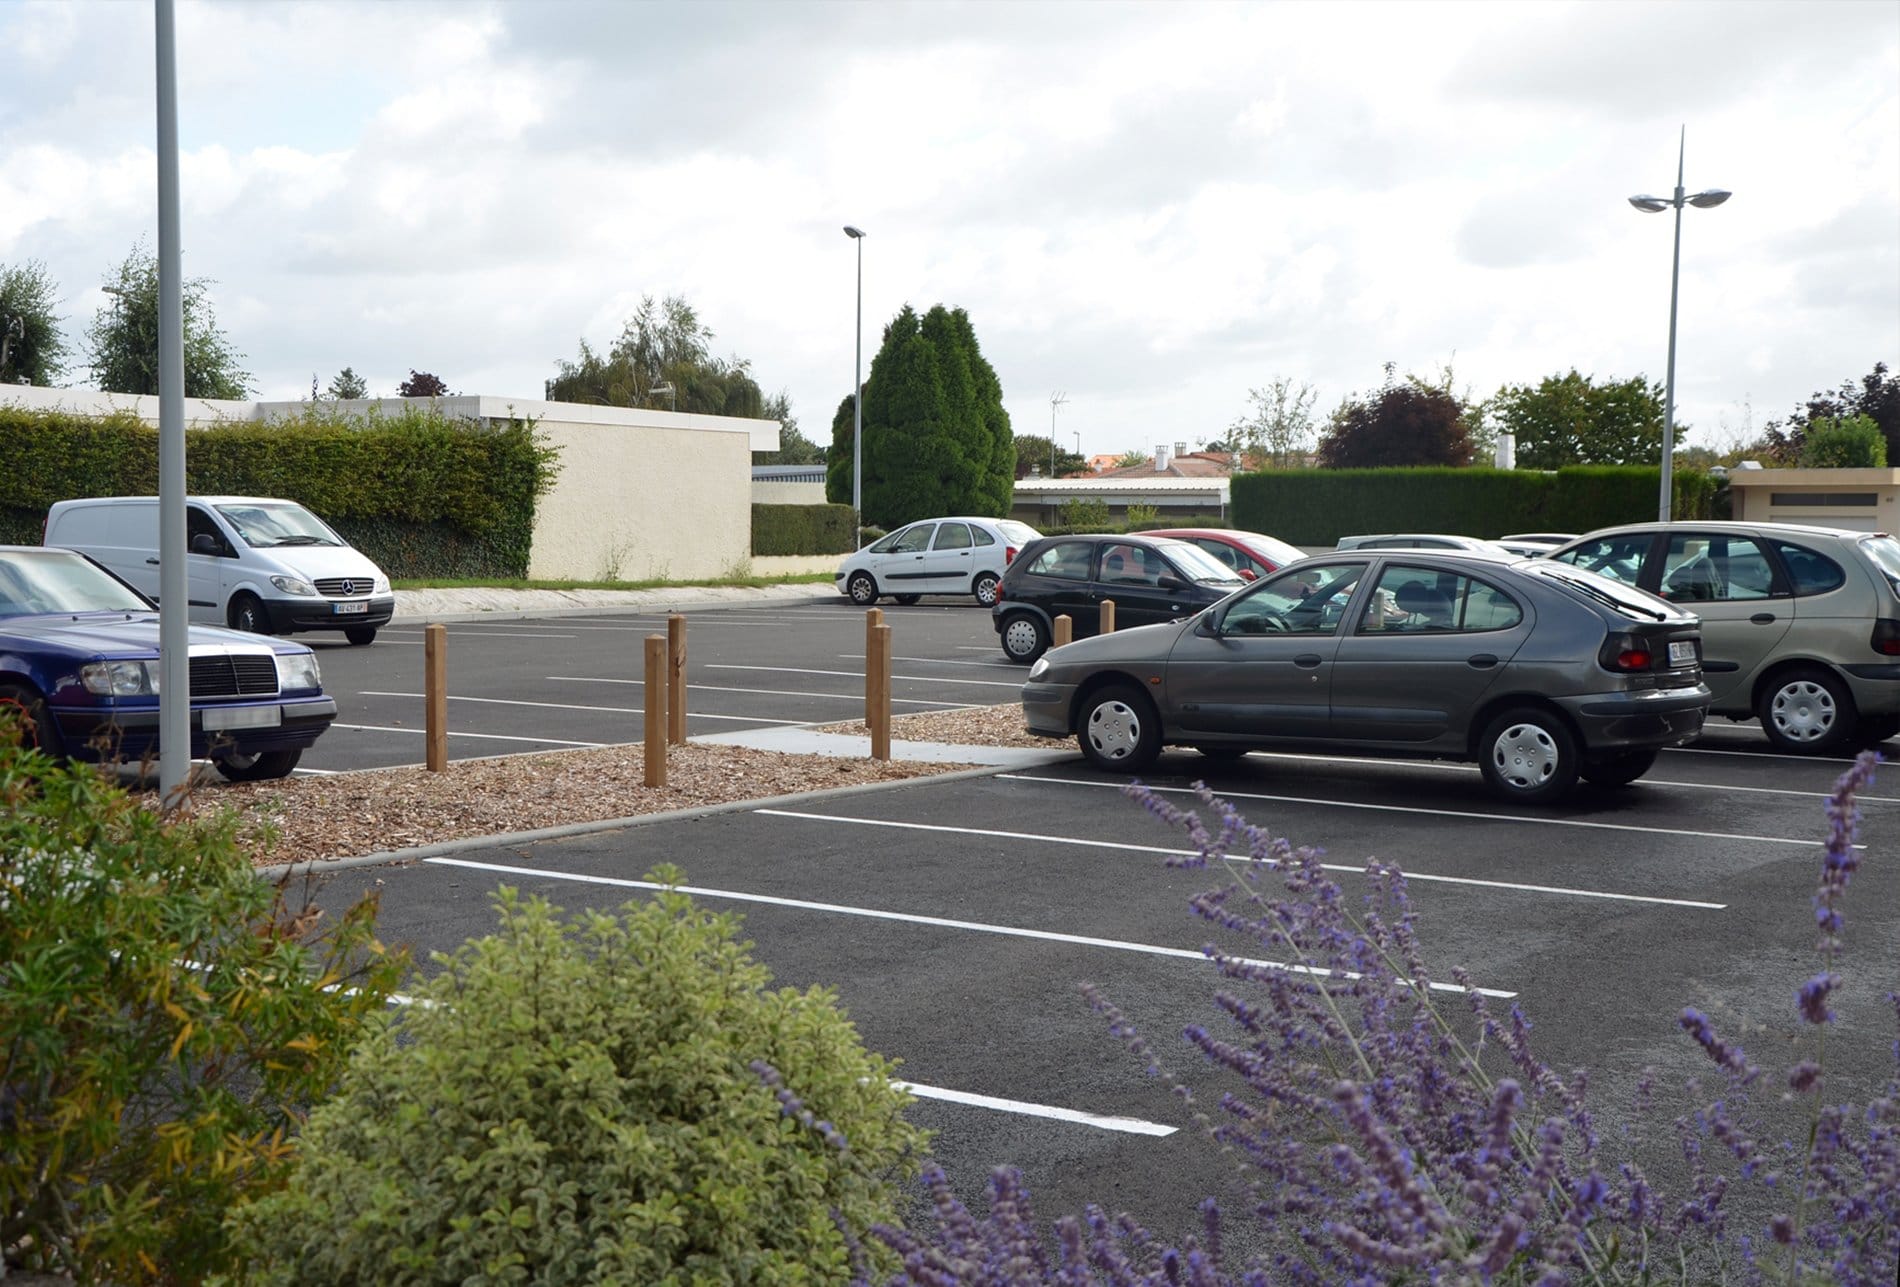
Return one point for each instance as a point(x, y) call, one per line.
point(1391, 1141)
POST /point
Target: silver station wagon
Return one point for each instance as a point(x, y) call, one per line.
point(1800, 625)
point(1538, 671)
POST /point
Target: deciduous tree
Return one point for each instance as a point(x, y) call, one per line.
point(122, 340)
point(421, 384)
point(32, 347)
point(1876, 396)
point(1032, 456)
point(1408, 423)
point(662, 344)
point(794, 448)
point(1276, 430)
point(1571, 420)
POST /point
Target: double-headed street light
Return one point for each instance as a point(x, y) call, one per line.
point(1656, 205)
point(857, 389)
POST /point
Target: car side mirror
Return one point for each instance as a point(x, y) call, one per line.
point(1204, 625)
point(1169, 583)
point(1247, 574)
point(204, 543)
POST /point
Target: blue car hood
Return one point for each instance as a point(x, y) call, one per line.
point(111, 634)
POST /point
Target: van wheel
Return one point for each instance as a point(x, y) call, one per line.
point(1528, 755)
point(985, 589)
point(1118, 730)
point(862, 588)
point(257, 766)
point(360, 635)
point(248, 614)
point(1024, 638)
point(1807, 711)
point(37, 729)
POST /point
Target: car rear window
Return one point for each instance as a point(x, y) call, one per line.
point(1600, 589)
point(1021, 533)
point(1884, 550)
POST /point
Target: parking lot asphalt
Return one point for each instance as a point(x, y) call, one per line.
point(956, 919)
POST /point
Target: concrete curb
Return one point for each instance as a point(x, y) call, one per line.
point(426, 607)
point(321, 866)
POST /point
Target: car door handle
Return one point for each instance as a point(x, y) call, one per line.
point(1308, 660)
point(1481, 661)
point(1762, 619)
point(153, 562)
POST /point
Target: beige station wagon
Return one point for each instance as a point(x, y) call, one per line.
point(1800, 625)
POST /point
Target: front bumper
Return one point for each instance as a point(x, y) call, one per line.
point(131, 733)
point(1046, 708)
point(288, 615)
point(1637, 720)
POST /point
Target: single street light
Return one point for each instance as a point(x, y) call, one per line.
point(1055, 400)
point(672, 394)
point(1656, 205)
point(857, 388)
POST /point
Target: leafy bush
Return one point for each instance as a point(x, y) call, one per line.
point(1083, 514)
point(801, 529)
point(1140, 516)
point(1392, 1142)
point(165, 1017)
point(1846, 442)
point(572, 1101)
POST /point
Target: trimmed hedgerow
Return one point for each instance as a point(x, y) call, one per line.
point(801, 529)
point(421, 493)
point(574, 1101)
point(165, 1018)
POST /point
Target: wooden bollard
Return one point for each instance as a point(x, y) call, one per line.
point(873, 618)
point(656, 711)
point(435, 697)
point(1065, 630)
point(878, 677)
point(676, 679)
point(1108, 616)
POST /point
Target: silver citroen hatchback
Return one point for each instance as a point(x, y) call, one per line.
point(1800, 625)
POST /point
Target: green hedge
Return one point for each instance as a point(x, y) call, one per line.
point(1318, 506)
point(421, 493)
point(802, 529)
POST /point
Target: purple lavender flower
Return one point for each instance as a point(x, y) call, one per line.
point(1813, 995)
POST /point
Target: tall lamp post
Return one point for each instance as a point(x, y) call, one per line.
point(1656, 205)
point(1055, 401)
point(857, 389)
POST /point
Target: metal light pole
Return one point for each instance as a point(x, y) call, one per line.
point(1655, 205)
point(174, 631)
point(1055, 400)
point(857, 390)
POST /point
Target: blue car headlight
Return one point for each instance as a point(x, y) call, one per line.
point(298, 670)
point(120, 678)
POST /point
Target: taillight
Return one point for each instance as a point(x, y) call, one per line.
point(1625, 652)
point(1887, 637)
point(1009, 554)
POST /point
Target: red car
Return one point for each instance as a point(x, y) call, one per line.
point(1251, 554)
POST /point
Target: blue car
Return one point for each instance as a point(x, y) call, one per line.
point(79, 663)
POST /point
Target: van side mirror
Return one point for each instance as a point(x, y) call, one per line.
point(204, 543)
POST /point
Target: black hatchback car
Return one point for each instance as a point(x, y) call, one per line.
point(1150, 578)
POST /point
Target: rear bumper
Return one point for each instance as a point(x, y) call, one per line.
point(288, 615)
point(1629, 721)
point(109, 733)
point(1876, 687)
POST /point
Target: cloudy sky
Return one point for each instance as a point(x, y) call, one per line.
point(1149, 207)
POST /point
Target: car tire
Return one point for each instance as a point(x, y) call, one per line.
point(1118, 730)
point(37, 729)
point(1226, 754)
point(1875, 729)
point(1529, 755)
point(1620, 769)
point(985, 588)
point(907, 599)
point(360, 635)
point(862, 588)
point(1025, 638)
point(247, 614)
point(256, 766)
point(1807, 711)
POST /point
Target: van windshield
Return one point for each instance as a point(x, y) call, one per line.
point(265, 525)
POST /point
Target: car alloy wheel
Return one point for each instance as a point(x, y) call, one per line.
point(1119, 730)
point(985, 589)
point(862, 589)
point(1807, 711)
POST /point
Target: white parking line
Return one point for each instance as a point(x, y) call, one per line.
point(1126, 1125)
point(601, 710)
point(856, 674)
point(1807, 842)
point(485, 737)
point(1164, 852)
point(770, 692)
point(941, 922)
point(460, 633)
point(939, 661)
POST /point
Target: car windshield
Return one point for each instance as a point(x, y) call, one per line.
point(1196, 562)
point(1275, 549)
point(267, 524)
point(1626, 599)
point(34, 582)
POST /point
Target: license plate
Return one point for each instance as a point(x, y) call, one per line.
point(243, 716)
point(1681, 653)
point(343, 609)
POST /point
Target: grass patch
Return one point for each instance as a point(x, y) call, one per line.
point(490, 583)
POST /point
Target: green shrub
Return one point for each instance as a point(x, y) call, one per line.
point(802, 529)
point(165, 1018)
point(1140, 516)
point(571, 1101)
point(1845, 442)
point(1083, 514)
point(395, 485)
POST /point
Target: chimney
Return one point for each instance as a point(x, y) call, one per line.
point(1180, 449)
point(1161, 458)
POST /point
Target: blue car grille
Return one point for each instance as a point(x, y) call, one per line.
point(239, 676)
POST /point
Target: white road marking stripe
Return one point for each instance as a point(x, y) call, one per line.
point(1446, 813)
point(1126, 1125)
point(1008, 931)
point(770, 692)
point(855, 674)
point(940, 661)
point(486, 737)
point(1162, 851)
point(602, 710)
point(460, 633)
